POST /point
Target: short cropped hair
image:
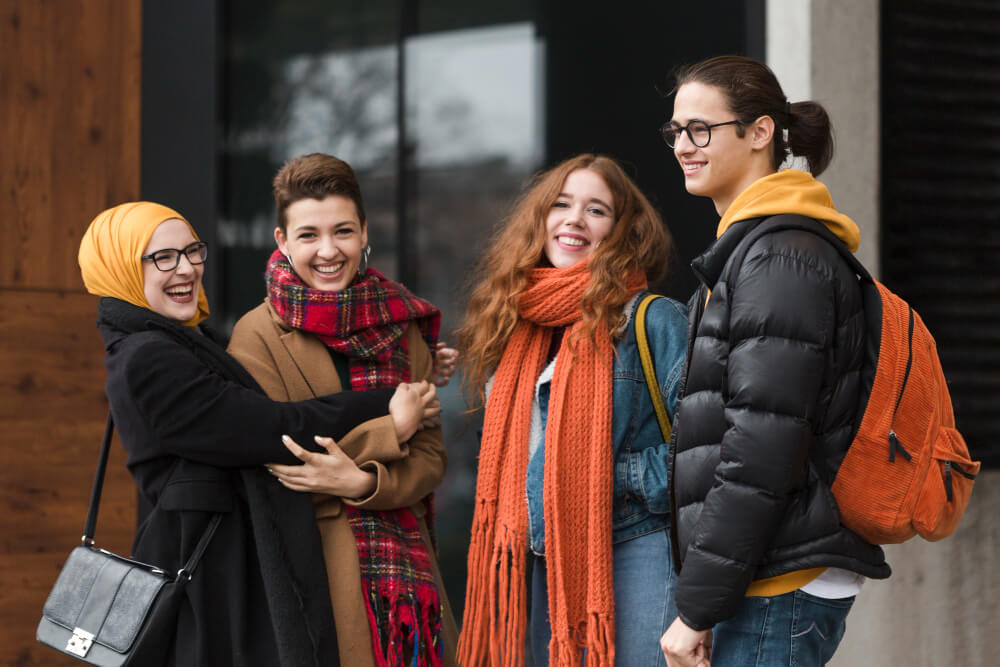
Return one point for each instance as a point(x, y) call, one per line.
point(315, 176)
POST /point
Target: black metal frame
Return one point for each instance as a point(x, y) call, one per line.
point(938, 244)
point(180, 112)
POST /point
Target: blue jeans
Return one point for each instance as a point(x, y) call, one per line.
point(794, 629)
point(644, 602)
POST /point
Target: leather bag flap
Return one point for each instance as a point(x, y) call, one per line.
point(105, 595)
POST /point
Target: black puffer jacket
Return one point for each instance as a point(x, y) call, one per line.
point(772, 388)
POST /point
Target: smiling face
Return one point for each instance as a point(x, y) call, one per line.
point(580, 218)
point(324, 240)
point(730, 162)
point(173, 294)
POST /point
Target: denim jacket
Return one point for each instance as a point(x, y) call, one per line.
point(641, 502)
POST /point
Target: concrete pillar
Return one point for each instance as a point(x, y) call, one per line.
point(827, 51)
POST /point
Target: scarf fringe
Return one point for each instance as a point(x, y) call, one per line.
point(592, 643)
point(414, 624)
point(488, 636)
point(474, 633)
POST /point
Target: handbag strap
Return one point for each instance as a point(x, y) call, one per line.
point(95, 502)
point(199, 550)
point(662, 416)
point(95, 493)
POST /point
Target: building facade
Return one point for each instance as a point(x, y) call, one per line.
point(446, 109)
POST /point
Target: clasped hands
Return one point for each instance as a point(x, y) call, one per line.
point(413, 406)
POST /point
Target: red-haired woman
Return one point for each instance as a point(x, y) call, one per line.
point(572, 466)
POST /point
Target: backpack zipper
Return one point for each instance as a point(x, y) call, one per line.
point(894, 444)
point(948, 467)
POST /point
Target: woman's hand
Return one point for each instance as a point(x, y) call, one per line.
point(333, 473)
point(415, 405)
point(445, 361)
point(432, 413)
point(431, 404)
point(406, 411)
point(685, 647)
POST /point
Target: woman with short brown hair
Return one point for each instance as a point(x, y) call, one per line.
point(331, 324)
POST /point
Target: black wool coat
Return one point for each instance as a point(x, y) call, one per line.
point(768, 410)
point(197, 430)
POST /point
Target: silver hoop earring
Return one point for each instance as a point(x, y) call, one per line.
point(289, 258)
point(363, 266)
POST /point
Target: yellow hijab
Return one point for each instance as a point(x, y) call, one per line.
point(112, 248)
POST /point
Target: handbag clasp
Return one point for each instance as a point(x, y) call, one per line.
point(80, 642)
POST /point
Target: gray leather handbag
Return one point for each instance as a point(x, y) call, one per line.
point(113, 611)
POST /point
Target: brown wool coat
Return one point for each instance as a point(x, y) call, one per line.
point(293, 365)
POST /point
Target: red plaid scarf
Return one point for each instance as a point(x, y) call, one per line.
point(367, 322)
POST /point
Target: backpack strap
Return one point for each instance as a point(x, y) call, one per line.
point(777, 223)
point(662, 416)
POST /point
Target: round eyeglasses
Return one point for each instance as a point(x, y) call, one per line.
point(698, 131)
point(167, 259)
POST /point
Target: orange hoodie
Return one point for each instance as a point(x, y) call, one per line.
point(791, 191)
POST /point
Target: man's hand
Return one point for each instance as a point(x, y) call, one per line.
point(684, 647)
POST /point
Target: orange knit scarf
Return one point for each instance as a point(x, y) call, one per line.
point(577, 487)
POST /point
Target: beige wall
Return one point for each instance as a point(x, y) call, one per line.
point(942, 604)
point(69, 140)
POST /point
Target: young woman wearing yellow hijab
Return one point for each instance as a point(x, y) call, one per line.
point(198, 431)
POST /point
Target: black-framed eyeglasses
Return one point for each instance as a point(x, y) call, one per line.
point(698, 131)
point(167, 259)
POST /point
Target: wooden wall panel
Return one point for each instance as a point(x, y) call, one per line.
point(69, 126)
point(52, 413)
point(70, 84)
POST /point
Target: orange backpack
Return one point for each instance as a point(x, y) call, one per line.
point(908, 470)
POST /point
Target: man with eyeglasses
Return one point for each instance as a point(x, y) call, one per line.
point(767, 572)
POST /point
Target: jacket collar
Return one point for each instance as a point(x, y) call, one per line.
point(117, 319)
point(317, 375)
point(708, 266)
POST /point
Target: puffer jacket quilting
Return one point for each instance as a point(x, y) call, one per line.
point(768, 412)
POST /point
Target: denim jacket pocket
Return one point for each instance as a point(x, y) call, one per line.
point(628, 392)
point(629, 499)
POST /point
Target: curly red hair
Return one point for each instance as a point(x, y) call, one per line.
point(638, 242)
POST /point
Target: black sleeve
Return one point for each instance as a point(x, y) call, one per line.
point(781, 324)
point(192, 412)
